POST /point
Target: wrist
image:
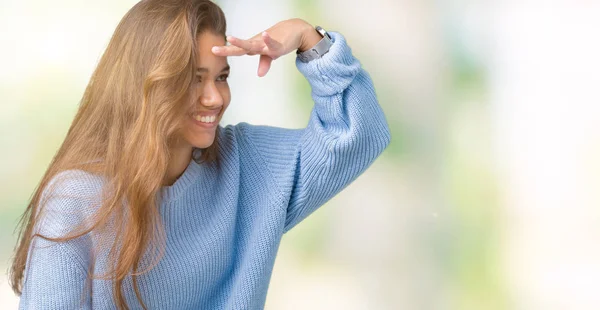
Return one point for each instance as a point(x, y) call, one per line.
point(309, 38)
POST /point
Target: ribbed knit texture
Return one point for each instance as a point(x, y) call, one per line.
point(223, 225)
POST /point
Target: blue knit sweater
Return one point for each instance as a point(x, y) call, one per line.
point(223, 226)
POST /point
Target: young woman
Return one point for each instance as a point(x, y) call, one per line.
point(150, 203)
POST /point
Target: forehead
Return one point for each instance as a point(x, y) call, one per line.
point(204, 56)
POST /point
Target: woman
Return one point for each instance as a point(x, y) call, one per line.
point(150, 203)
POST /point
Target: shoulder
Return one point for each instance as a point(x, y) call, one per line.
point(74, 182)
point(260, 134)
point(70, 197)
point(273, 148)
point(75, 185)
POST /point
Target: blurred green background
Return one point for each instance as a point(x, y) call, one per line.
point(486, 197)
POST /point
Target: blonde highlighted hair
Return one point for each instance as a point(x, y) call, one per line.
point(128, 119)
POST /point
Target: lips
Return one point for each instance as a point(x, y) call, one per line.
point(205, 122)
point(205, 119)
point(213, 113)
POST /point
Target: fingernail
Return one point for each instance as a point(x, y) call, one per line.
point(216, 49)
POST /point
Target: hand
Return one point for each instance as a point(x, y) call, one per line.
point(282, 38)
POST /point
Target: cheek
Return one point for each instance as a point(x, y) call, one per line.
point(226, 94)
point(198, 138)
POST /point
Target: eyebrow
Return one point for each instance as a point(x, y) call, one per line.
point(202, 69)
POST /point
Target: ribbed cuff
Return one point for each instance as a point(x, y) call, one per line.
point(333, 72)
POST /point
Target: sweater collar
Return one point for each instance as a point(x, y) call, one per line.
point(189, 175)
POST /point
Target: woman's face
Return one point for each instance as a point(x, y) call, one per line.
point(209, 94)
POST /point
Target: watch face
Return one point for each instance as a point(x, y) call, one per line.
point(321, 31)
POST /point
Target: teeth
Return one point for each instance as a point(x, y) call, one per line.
point(205, 119)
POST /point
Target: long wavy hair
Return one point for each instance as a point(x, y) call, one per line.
point(127, 121)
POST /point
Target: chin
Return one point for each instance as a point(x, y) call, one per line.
point(202, 143)
point(203, 146)
point(200, 138)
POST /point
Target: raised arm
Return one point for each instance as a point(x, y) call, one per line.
point(346, 132)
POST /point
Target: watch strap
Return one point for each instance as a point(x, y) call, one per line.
point(319, 49)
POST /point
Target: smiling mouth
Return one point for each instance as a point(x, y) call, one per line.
point(205, 121)
point(205, 118)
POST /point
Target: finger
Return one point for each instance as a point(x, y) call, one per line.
point(264, 65)
point(251, 46)
point(228, 51)
point(271, 43)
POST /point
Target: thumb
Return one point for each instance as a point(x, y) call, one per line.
point(274, 46)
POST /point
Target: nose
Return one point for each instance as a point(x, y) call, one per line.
point(211, 97)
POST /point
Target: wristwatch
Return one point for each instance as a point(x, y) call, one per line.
point(319, 49)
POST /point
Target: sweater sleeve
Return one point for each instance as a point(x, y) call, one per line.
point(346, 132)
point(56, 273)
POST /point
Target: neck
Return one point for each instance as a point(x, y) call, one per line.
point(180, 159)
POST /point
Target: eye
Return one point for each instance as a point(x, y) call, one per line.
point(224, 77)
